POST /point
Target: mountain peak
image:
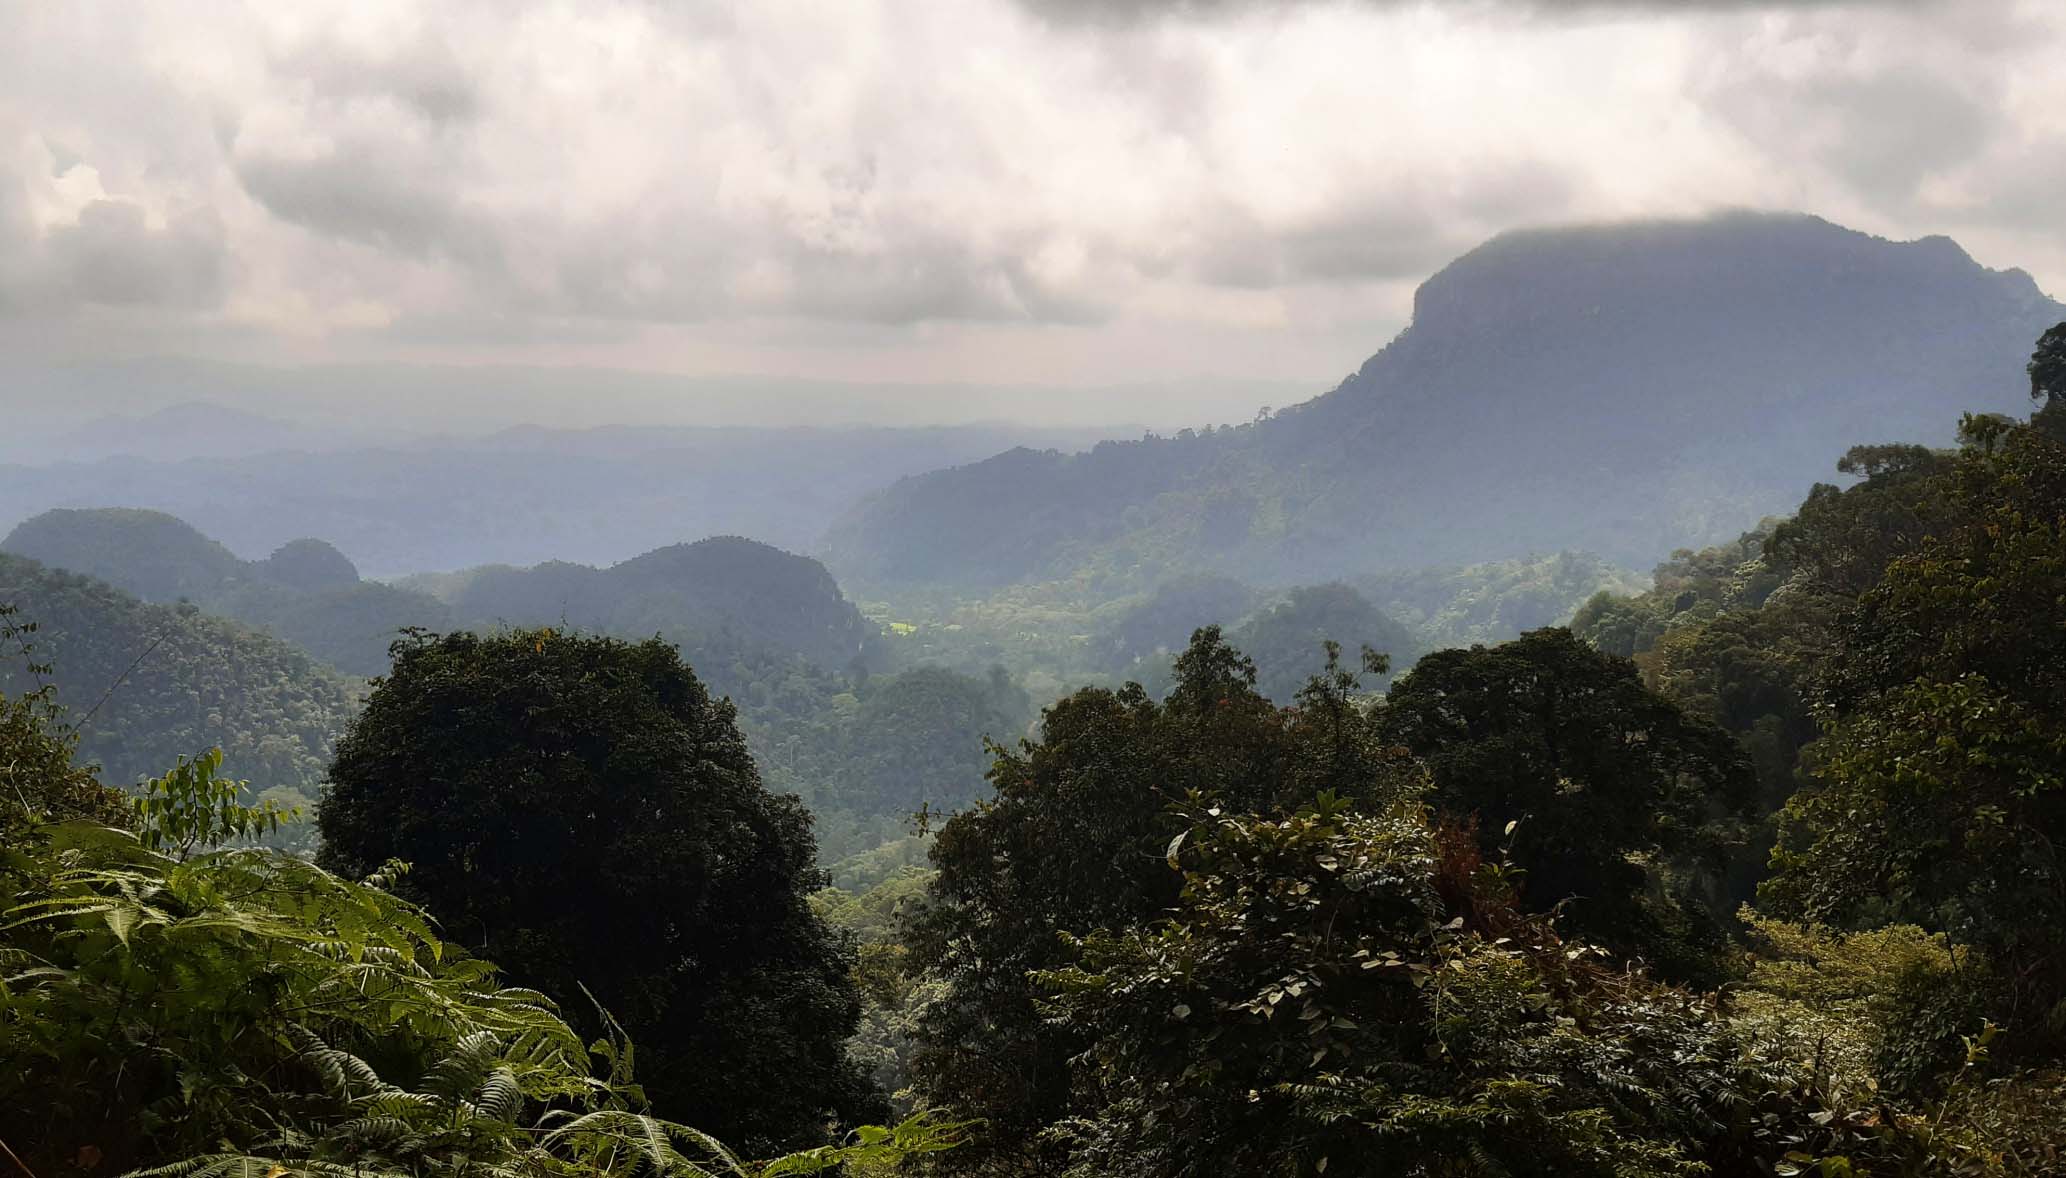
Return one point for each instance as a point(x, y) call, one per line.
point(1621, 388)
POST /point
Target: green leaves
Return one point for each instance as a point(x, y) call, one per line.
point(190, 807)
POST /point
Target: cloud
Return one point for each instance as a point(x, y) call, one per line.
point(1122, 12)
point(945, 191)
point(102, 251)
point(111, 255)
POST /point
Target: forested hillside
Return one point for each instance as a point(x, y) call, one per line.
point(1624, 390)
point(306, 592)
point(727, 591)
point(767, 628)
point(1781, 895)
point(146, 684)
point(745, 591)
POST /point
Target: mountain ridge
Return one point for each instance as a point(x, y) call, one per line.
point(1638, 386)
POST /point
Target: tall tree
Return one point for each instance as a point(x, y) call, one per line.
point(581, 810)
point(1076, 838)
point(1586, 776)
point(1938, 795)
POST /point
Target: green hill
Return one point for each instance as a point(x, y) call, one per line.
point(146, 683)
point(306, 592)
point(727, 587)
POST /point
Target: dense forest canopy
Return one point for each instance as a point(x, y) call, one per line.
point(144, 684)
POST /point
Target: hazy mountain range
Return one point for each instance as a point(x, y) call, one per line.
point(1622, 389)
point(519, 496)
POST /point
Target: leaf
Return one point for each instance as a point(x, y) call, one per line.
point(121, 920)
point(1176, 844)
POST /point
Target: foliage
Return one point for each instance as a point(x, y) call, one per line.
point(153, 1003)
point(1495, 600)
point(145, 684)
point(39, 783)
point(1883, 1008)
point(1938, 794)
point(1074, 840)
point(893, 996)
point(581, 810)
point(1312, 1007)
point(235, 1012)
point(191, 808)
point(1609, 798)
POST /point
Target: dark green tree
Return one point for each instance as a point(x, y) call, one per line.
point(2048, 380)
point(1938, 795)
point(1315, 1005)
point(1076, 838)
point(1590, 780)
point(581, 810)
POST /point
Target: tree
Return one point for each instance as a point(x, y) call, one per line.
point(174, 1001)
point(581, 810)
point(1074, 839)
point(1937, 795)
point(2048, 380)
point(1315, 1005)
point(39, 783)
point(1590, 779)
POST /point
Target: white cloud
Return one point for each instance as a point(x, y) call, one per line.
point(988, 189)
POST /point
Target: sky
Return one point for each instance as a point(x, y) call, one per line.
point(1209, 202)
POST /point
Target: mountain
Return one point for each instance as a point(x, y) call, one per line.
point(753, 594)
point(196, 429)
point(519, 495)
point(1622, 389)
point(149, 683)
point(157, 557)
point(306, 592)
point(726, 589)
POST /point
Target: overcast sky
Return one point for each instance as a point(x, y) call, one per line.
point(1043, 192)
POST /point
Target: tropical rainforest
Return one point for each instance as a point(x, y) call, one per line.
point(1254, 802)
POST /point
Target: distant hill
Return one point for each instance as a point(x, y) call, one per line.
point(728, 591)
point(1622, 389)
point(149, 683)
point(306, 592)
point(517, 496)
point(196, 429)
point(752, 593)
